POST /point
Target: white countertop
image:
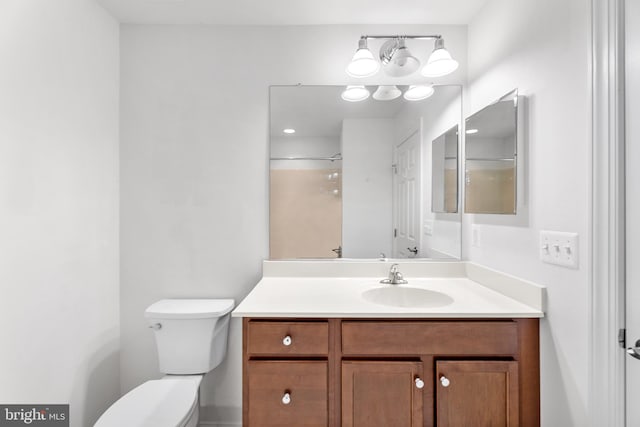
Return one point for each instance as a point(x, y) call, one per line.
point(322, 297)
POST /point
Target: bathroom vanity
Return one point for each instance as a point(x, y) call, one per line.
point(318, 353)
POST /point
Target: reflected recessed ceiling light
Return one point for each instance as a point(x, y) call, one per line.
point(386, 93)
point(440, 62)
point(471, 131)
point(418, 92)
point(355, 93)
point(289, 131)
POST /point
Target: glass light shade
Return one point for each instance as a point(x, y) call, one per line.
point(355, 93)
point(440, 63)
point(363, 64)
point(418, 92)
point(401, 63)
point(386, 93)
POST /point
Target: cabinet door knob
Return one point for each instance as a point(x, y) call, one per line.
point(286, 399)
point(444, 381)
point(419, 383)
point(287, 340)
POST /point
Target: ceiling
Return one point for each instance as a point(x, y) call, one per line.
point(319, 110)
point(293, 12)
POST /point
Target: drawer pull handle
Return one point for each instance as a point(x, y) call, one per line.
point(419, 383)
point(444, 381)
point(286, 399)
point(287, 340)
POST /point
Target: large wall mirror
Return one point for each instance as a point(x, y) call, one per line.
point(491, 147)
point(355, 179)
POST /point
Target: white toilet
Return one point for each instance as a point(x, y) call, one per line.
point(191, 336)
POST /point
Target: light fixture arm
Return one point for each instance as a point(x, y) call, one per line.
point(405, 36)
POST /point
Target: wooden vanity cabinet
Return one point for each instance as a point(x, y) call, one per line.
point(400, 373)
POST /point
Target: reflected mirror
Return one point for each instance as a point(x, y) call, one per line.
point(354, 179)
point(490, 158)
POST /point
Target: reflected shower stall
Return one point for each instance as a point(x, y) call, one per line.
point(305, 207)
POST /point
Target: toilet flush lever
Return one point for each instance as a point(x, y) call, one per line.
point(156, 326)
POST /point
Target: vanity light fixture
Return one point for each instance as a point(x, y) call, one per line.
point(355, 93)
point(386, 93)
point(289, 131)
point(471, 131)
point(396, 59)
point(418, 92)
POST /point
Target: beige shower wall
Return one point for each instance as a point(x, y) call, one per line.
point(490, 191)
point(305, 214)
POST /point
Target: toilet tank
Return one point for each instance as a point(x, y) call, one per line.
point(191, 334)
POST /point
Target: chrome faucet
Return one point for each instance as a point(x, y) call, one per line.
point(395, 277)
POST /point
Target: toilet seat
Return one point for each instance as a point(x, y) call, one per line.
point(168, 402)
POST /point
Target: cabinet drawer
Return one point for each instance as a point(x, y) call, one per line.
point(305, 382)
point(430, 337)
point(287, 338)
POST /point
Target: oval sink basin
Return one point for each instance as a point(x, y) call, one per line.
point(403, 296)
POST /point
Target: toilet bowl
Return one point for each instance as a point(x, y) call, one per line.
point(191, 338)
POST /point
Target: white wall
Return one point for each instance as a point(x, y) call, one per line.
point(541, 48)
point(367, 187)
point(59, 296)
point(194, 149)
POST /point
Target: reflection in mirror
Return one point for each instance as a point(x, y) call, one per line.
point(444, 172)
point(353, 179)
point(490, 158)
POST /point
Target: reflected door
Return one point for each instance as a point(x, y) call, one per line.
point(633, 211)
point(406, 242)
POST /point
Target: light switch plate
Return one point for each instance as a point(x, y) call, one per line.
point(559, 248)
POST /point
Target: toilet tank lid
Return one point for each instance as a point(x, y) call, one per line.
point(189, 308)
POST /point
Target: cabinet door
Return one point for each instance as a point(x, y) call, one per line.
point(381, 394)
point(476, 393)
point(287, 393)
